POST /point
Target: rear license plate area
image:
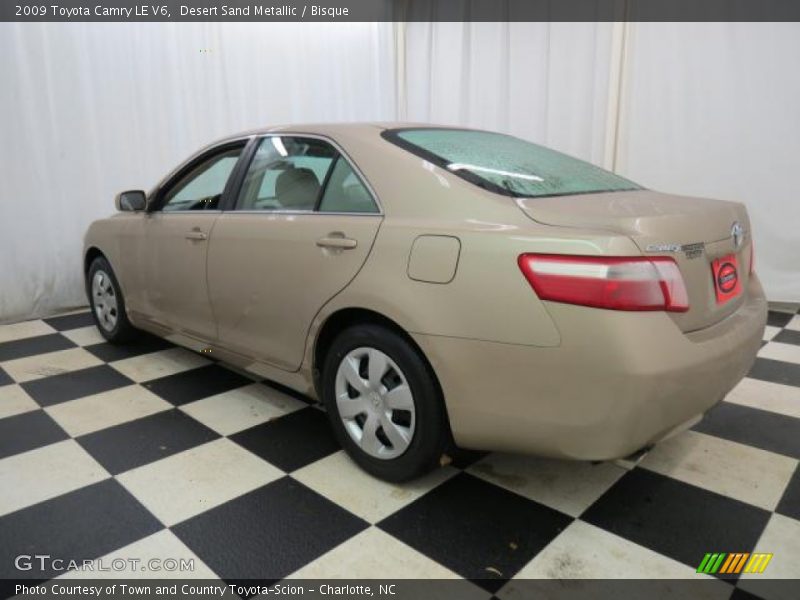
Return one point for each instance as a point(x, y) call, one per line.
point(727, 279)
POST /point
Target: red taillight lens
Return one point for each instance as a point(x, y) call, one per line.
point(616, 283)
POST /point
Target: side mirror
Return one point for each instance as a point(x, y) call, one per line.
point(132, 200)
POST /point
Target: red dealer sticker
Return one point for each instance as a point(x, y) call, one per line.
point(726, 278)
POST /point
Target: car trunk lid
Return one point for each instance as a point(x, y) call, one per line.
point(693, 231)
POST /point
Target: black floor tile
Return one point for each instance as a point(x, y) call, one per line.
point(790, 503)
point(84, 524)
point(740, 594)
point(75, 384)
point(145, 440)
point(289, 391)
point(760, 428)
point(196, 384)
point(68, 322)
point(4, 378)
point(40, 344)
point(778, 319)
point(144, 344)
point(462, 459)
point(788, 336)
point(27, 431)
point(292, 441)
point(269, 532)
point(476, 529)
point(676, 519)
point(776, 371)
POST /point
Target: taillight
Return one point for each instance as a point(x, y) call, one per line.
point(616, 283)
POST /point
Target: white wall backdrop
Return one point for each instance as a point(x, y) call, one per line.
point(713, 109)
point(91, 109)
point(547, 82)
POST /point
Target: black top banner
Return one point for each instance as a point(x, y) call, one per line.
point(399, 10)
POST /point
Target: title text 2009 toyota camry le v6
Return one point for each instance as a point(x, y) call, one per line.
point(436, 286)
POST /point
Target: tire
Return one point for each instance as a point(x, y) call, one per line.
point(404, 407)
point(107, 303)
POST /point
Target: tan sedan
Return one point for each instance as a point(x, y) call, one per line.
point(439, 287)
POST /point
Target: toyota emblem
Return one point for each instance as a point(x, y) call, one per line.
point(737, 232)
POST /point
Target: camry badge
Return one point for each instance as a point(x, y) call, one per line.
point(737, 232)
point(691, 250)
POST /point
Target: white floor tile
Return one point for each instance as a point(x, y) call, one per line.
point(92, 413)
point(742, 472)
point(153, 554)
point(14, 401)
point(781, 537)
point(785, 307)
point(191, 482)
point(780, 351)
point(25, 329)
point(45, 473)
point(47, 365)
point(794, 323)
point(242, 408)
point(159, 364)
point(84, 336)
point(373, 553)
point(583, 551)
point(340, 480)
point(765, 395)
point(567, 486)
point(770, 332)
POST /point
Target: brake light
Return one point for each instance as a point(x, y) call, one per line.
point(616, 283)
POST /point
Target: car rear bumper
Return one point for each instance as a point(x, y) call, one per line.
point(619, 381)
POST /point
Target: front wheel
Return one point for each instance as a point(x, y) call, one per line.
point(107, 303)
point(384, 403)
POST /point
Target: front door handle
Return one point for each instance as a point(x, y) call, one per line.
point(340, 243)
point(197, 235)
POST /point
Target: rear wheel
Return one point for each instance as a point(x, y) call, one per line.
point(384, 403)
point(107, 303)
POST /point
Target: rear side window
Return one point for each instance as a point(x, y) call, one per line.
point(286, 173)
point(345, 192)
point(293, 173)
point(507, 165)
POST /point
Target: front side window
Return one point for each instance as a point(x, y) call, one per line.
point(286, 173)
point(507, 165)
point(201, 188)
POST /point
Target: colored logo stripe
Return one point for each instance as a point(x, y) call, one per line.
point(758, 562)
point(733, 563)
point(711, 562)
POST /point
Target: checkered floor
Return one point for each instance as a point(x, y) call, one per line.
point(150, 450)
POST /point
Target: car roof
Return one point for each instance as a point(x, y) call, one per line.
point(331, 129)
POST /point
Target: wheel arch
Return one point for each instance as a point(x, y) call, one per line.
point(92, 252)
point(343, 318)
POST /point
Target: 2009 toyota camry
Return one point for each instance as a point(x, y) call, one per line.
point(437, 286)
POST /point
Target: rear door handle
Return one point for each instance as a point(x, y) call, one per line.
point(196, 234)
point(340, 243)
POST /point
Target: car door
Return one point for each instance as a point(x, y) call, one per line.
point(174, 242)
point(302, 227)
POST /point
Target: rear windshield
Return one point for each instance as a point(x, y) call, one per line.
point(507, 165)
